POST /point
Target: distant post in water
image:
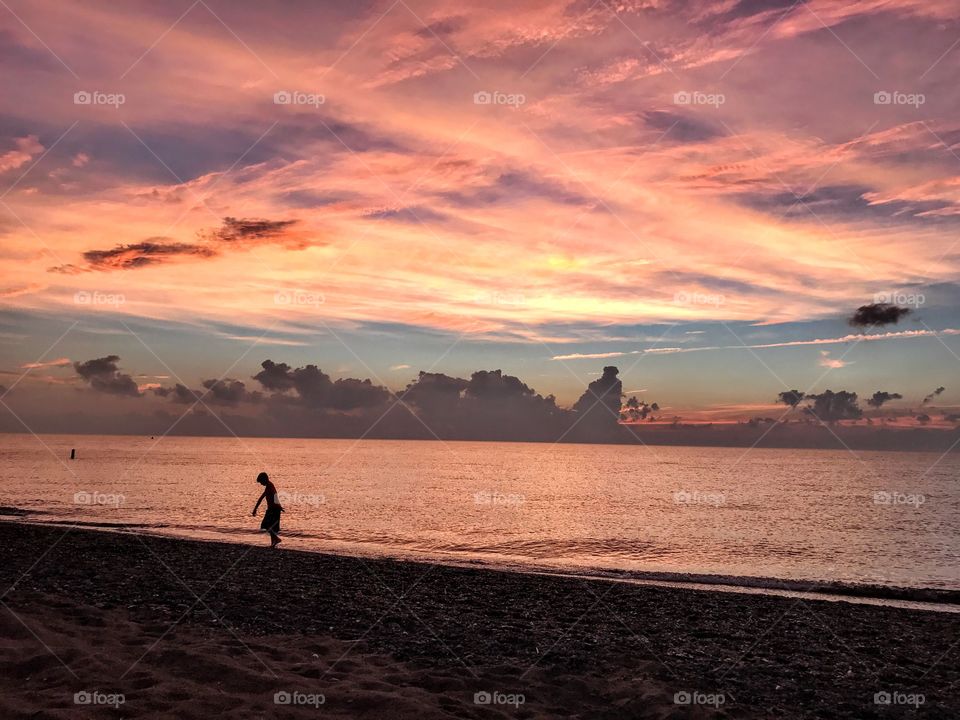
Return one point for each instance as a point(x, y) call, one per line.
point(73, 454)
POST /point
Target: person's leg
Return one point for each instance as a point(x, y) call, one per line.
point(274, 539)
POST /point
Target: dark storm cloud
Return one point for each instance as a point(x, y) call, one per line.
point(682, 128)
point(830, 406)
point(234, 230)
point(148, 252)
point(216, 391)
point(315, 389)
point(442, 28)
point(103, 375)
point(600, 404)
point(435, 393)
point(791, 397)
point(179, 394)
point(877, 315)
point(229, 392)
point(490, 405)
point(494, 384)
point(234, 233)
point(351, 393)
point(880, 397)
point(275, 376)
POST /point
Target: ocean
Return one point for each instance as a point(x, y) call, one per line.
point(724, 514)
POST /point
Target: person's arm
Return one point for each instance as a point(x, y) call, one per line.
point(260, 500)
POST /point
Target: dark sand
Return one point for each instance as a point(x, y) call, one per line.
point(201, 630)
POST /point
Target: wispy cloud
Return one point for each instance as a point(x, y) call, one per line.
point(517, 176)
point(901, 335)
point(59, 362)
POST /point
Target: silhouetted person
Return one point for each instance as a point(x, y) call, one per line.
point(271, 518)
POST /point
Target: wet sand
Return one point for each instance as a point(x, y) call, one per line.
point(188, 629)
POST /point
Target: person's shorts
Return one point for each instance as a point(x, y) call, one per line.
point(271, 520)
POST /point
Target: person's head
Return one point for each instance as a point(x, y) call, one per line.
point(263, 479)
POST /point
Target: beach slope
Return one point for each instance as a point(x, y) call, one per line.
point(164, 627)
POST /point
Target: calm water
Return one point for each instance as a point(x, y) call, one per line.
point(887, 518)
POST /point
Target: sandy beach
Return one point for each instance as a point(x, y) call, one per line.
point(158, 627)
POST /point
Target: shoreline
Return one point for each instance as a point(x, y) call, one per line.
point(421, 639)
point(918, 598)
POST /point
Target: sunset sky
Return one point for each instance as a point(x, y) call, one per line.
point(698, 193)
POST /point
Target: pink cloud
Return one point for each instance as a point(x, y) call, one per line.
point(59, 362)
point(26, 148)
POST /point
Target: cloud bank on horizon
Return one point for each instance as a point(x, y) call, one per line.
point(288, 401)
point(545, 173)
